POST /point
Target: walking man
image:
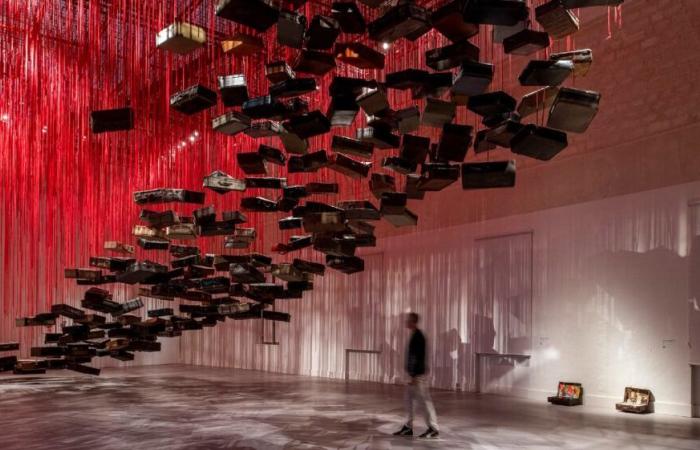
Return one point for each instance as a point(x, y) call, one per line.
point(417, 389)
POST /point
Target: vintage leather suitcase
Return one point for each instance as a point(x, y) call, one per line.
point(436, 85)
point(243, 44)
point(293, 87)
point(536, 101)
point(263, 107)
point(640, 401)
point(287, 272)
point(153, 243)
point(262, 129)
point(380, 138)
point(393, 203)
point(408, 119)
point(437, 176)
point(393, 210)
point(354, 147)
point(278, 71)
point(291, 28)
point(449, 21)
point(343, 86)
point(526, 42)
point(290, 223)
point(257, 14)
point(359, 210)
point(573, 110)
point(308, 125)
point(258, 204)
point(349, 17)
point(582, 59)
point(546, 73)
point(400, 21)
point(487, 175)
point(118, 247)
point(241, 238)
point(231, 123)
point(539, 142)
point(324, 222)
point(183, 250)
point(573, 4)
point(181, 38)
point(345, 264)
point(272, 155)
point(556, 20)
point(491, 103)
point(348, 166)
point(568, 394)
point(495, 12)
point(309, 267)
point(380, 183)
point(153, 219)
point(245, 273)
point(451, 56)
point(373, 101)
point(414, 149)
point(252, 163)
point(311, 162)
point(399, 165)
point(411, 188)
point(454, 142)
point(342, 110)
point(233, 89)
point(12, 346)
point(108, 120)
point(192, 100)
point(221, 183)
point(359, 55)
point(474, 78)
point(217, 229)
point(437, 112)
point(500, 32)
point(315, 62)
point(266, 182)
point(179, 231)
point(292, 143)
point(406, 79)
point(503, 134)
point(322, 33)
point(321, 188)
point(295, 191)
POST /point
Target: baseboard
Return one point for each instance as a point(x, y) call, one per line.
point(596, 401)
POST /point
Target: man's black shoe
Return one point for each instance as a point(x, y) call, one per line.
point(430, 434)
point(405, 431)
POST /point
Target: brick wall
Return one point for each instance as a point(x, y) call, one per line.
point(646, 135)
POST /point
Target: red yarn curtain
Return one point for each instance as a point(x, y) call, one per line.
point(65, 191)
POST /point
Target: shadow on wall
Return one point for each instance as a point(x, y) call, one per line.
point(643, 303)
point(456, 359)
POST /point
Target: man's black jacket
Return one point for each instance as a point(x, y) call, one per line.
point(415, 358)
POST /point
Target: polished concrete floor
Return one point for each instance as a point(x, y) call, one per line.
point(185, 407)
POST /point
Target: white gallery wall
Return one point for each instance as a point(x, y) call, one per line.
point(597, 293)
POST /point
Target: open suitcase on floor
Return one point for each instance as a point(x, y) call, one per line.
point(640, 401)
point(568, 394)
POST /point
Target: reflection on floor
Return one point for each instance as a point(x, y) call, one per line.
point(186, 407)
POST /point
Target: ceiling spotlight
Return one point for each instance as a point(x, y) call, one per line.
point(386, 45)
point(45, 129)
point(5, 118)
point(196, 133)
point(192, 138)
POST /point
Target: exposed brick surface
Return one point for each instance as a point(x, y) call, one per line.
point(646, 136)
